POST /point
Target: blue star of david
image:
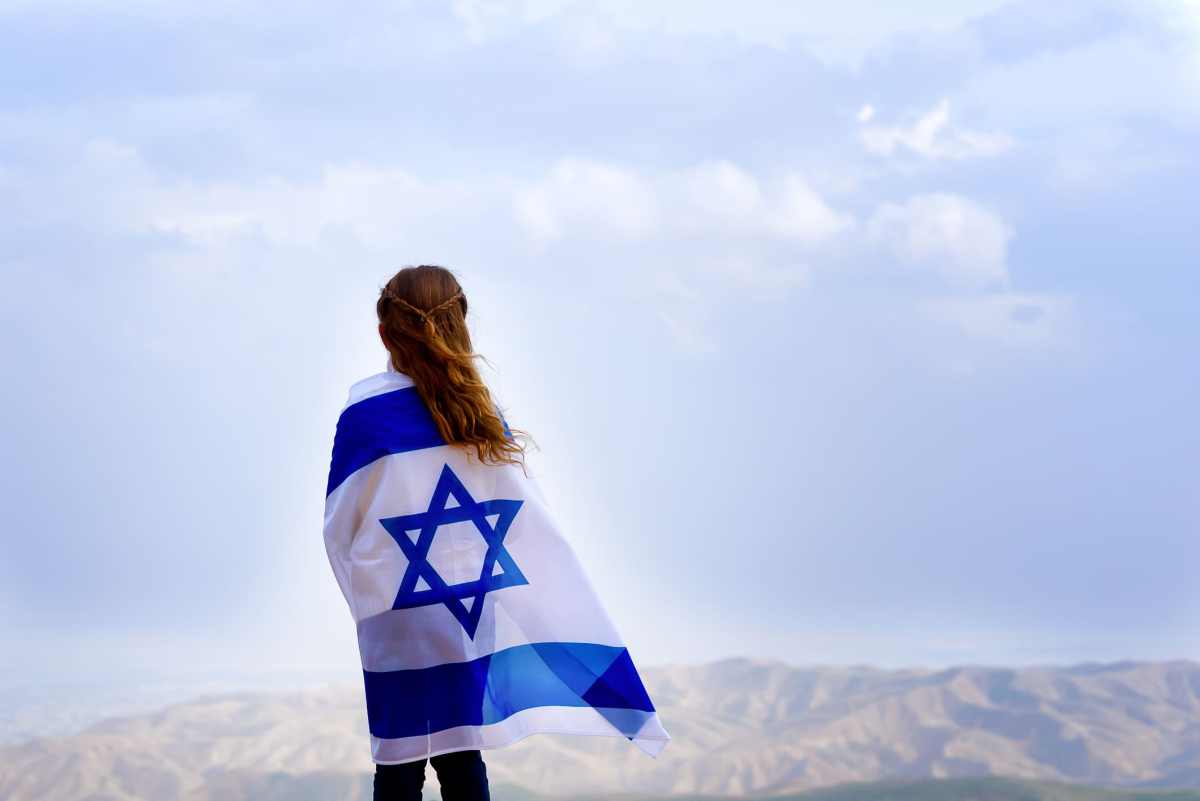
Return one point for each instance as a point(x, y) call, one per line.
point(499, 569)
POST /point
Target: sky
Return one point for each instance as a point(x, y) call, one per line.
point(845, 335)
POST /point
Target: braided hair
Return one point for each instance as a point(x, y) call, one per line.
point(422, 321)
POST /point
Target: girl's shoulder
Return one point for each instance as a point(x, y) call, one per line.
point(377, 385)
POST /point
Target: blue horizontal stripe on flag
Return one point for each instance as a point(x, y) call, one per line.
point(393, 422)
point(404, 703)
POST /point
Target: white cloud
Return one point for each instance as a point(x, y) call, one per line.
point(734, 214)
point(720, 196)
point(581, 198)
point(963, 242)
point(588, 198)
point(930, 136)
point(719, 191)
point(803, 214)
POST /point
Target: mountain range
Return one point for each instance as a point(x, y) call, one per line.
point(740, 727)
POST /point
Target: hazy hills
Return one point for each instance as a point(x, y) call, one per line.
point(739, 727)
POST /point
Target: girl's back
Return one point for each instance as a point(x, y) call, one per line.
point(476, 624)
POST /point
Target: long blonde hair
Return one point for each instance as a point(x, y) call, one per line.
point(422, 314)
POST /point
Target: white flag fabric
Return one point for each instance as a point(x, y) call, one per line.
point(476, 623)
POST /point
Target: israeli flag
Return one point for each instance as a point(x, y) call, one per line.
point(476, 623)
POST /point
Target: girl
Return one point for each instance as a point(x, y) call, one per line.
point(476, 624)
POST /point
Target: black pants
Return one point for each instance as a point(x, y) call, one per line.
point(461, 774)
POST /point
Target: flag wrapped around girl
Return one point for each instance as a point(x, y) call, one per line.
point(476, 623)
